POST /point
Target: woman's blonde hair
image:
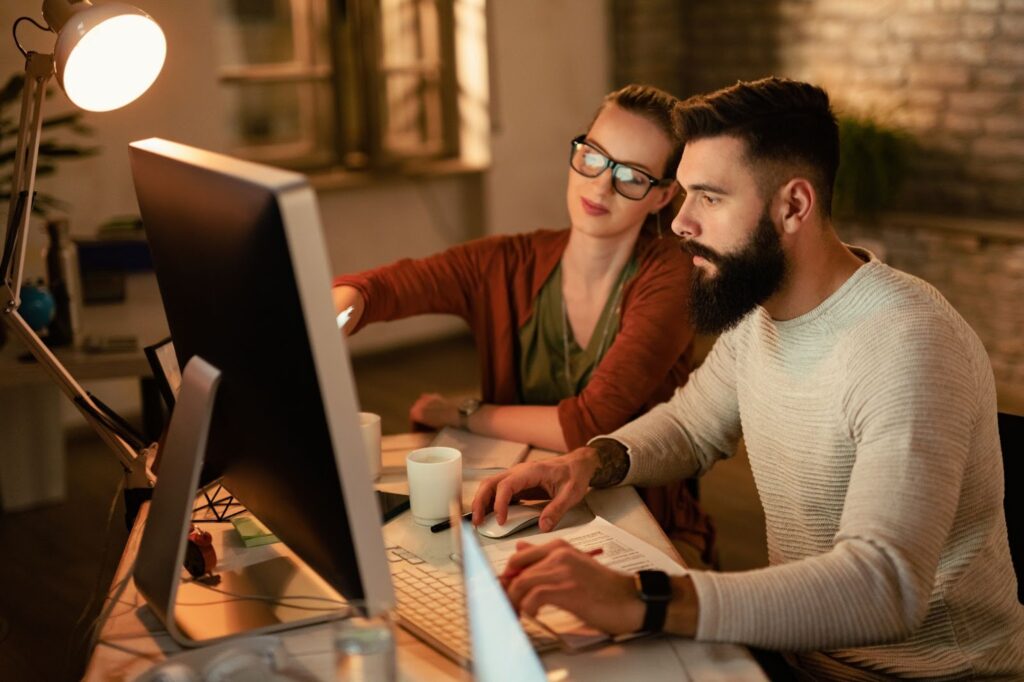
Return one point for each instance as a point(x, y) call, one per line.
point(658, 107)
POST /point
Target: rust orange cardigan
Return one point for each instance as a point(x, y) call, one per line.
point(492, 284)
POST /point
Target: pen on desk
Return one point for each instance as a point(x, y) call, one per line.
point(509, 575)
point(344, 315)
point(447, 523)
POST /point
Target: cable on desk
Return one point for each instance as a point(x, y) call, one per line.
point(155, 657)
point(112, 600)
point(75, 641)
point(129, 607)
point(278, 601)
point(128, 636)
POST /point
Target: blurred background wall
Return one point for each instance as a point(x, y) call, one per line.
point(946, 75)
point(544, 68)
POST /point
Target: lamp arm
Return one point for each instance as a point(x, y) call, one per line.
point(71, 388)
point(38, 70)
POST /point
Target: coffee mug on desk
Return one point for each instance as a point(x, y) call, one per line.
point(369, 427)
point(435, 479)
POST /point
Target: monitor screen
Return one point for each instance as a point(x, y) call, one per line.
point(240, 260)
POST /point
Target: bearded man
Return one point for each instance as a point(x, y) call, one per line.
point(868, 407)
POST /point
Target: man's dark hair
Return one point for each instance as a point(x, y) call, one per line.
point(783, 123)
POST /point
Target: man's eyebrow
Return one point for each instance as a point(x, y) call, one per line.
point(632, 164)
point(704, 187)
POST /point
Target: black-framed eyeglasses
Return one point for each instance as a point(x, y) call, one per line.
point(628, 181)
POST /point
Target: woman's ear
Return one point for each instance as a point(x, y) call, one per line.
point(797, 199)
point(667, 194)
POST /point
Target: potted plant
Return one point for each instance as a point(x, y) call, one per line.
point(51, 152)
point(872, 167)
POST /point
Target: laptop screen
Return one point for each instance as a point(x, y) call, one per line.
point(501, 650)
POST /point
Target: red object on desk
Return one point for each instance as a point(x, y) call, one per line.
point(200, 556)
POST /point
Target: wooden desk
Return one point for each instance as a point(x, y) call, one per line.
point(132, 640)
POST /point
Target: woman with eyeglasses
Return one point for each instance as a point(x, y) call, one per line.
point(578, 330)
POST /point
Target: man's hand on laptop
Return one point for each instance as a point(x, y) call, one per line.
point(564, 479)
point(557, 573)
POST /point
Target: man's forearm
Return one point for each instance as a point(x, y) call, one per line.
point(684, 610)
point(613, 463)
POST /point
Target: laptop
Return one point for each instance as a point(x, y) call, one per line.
point(467, 616)
point(501, 649)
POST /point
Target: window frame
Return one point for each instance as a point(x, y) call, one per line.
point(356, 76)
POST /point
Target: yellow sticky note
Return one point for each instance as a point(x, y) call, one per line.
point(252, 532)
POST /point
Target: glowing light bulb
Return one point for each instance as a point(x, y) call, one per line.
point(108, 55)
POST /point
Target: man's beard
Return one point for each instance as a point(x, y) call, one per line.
point(744, 279)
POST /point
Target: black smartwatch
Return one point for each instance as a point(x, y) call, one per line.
point(655, 591)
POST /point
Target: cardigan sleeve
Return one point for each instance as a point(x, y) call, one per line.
point(654, 332)
point(449, 282)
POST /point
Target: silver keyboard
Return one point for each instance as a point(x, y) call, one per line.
point(432, 606)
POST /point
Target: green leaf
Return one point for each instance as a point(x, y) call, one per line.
point(45, 203)
point(64, 119)
point(873, 163)
point(54, 150)
point(51, 153)
point(12, 89)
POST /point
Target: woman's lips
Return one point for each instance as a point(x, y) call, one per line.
point(590, 208)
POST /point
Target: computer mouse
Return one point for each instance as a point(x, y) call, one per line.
point(519, 517)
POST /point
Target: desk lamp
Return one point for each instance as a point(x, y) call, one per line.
point(105, 56)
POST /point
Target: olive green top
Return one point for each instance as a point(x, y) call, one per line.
point(547, 338)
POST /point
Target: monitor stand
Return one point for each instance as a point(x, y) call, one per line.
point(288, 592)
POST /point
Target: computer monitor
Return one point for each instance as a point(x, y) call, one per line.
point(241, 264)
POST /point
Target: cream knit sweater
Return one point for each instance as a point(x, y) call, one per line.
point(870, 424)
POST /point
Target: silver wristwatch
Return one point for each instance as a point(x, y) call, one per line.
point(466, 408)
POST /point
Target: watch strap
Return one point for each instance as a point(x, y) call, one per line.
point(655, 590)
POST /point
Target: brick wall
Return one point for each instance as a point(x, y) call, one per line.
point(948, 72)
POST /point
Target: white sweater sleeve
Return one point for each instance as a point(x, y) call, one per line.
point(910, 401)
point(684, 436)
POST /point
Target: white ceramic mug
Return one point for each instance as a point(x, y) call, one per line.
point(435, 479)
point(369, 427)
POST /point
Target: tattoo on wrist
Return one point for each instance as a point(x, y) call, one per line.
point(613, 463)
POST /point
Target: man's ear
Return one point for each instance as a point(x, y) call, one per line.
point(797, 200)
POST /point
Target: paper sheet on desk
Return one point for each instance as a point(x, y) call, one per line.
point(620, 550)
point(481, 456)
point(481, 452)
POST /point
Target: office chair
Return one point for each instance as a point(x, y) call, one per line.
point(1011, 438)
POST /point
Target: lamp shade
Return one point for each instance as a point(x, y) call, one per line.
point(107, 55)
